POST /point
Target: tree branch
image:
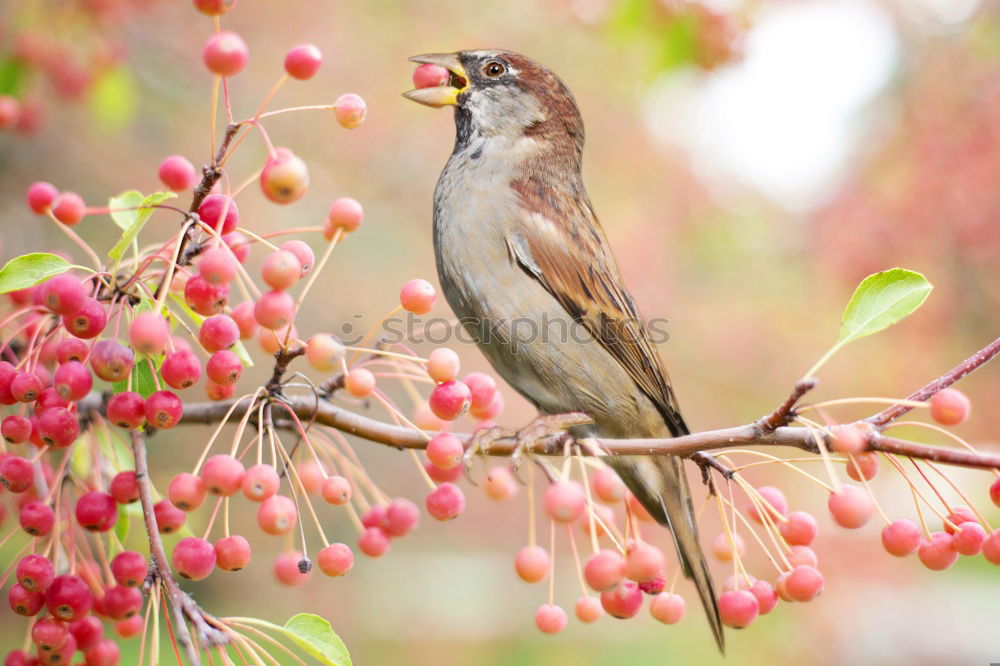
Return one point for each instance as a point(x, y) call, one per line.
point(183, 606)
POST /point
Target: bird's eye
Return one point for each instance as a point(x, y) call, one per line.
point(494, 69)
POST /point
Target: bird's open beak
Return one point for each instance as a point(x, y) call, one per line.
point(446, 95)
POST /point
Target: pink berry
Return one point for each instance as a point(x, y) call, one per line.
point(350, 110)
point(446, 502)
point(274, 309)
point(288, 568)
point(177, 173)
point(239, 244)
point(417, 296)
point(767, 597)
point(106, 651)
point(995, 492)
point(217, 266)
point(88, 321)
point(37, 519)
point(588, 609)
point(169, 518)
point(607, 485)
point(622, 601)
point(214, 207)
point(223, 475)
point(111, 361)
point(360, 382)
point(969, 539)
point(863, 466)
point(129, 568)
point(285, 178)
point(336, 490)
point(16, 429)
point(335, 560)
point(163, 409)
point(802, 555)
point(35, 573)
point(849, 438)
point(851, 506)
point(186, 491)
point(957, 516)
point(88, 631)
point(49, 635)
point(243, 315)
point(72, 349)
point(232, 553)
point(950, 407)
point(500, 484)
point(430, 76)
point(532, 563)
point(69, 598)
point(804, 583)
point(667, 608)
point(181, 369)
point(442, 365)
point(193, 558)
point(124, 488)
point(938, 552)
point(991, 547)
point(302, 252)
point(738, 608)
point(204, 297)
point(374, 542)
point(72, 381)
point(16, 474)
point(724, 546)
point(225, 54)
point(323, 352)
point(800, 529)
point(57, 427)
point(550, 619)
point(69, 208)
point(445, 450)
point(40, 196)
point(24, 602)
point(121, 603)
point(149, 334)
point(281, 269)
point(97, 511)
point(773, 503)
point(604, 570)
point(401, 517)
point(224, 367)
point(449, 400)
point(277, 515)
point(260, 482)
point(62, 294)
point(26, 387)
point(218, 332)
point(346, 214)
point(303, 61)
point(643, 562)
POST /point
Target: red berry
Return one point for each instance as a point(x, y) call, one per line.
point(446, 502)
point(88, 321)
point(430, 76)
point(991, 547)
point(302, 252)
point(217, 266)
point(126, 409)
point(374, 542)
point(950, 407)
point(335, 559)
point(57, 427)
point(129, 568)
point(225, 54)
point(24, 602)
point(450, 400)
point(69, 208)
point(281, 269)
point(163, 409)
point(37, 519)
point(303, 61)
point(16, 474)
point(243, 315)
point(214, 207)
point(564, 501)
point(40, 196)
point(218, 332)
point(111, 361)
point(97, 511)
point(186, 491)
point(169, 518)
point(350, 110)
point(35, 573)
point(87, 631)
point(121, 603)
point(277, 515)
point(851, 506)
point(106, 652)
point(667, 608)
point(274, 309)
point(445, 450)
point(604, 570)
point(72, 381)
point(49, 399)
point(72, 349)
point(550, 619)
point(401, 517)
point(149, 334)
point(177, 173)
point(26, 387)
point(193, 558)
point(232, 553)
point(124, 488)
point(938, 552)
point(622, 601)
point(181, 369)
point(804, 583)
point(995, 492)
point(69, 598)
point(644, 562)
point(532, 563)
point(284, 179)
point(417, 296)
point(16, 429)
point(223, 475)
point(288, 568)
point(62, 294)
point(219, 391)
point(738, 608)
point(260, 482)
point(800, 529)
point(345, 213)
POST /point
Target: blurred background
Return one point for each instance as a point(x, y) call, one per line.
point(751, 161)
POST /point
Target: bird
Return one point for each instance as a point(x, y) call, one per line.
point(526, 267)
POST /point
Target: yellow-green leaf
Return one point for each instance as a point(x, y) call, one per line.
point(317, 638)
point(113, 99)
point(136, 222)
point(30, 269)
point(881, 300)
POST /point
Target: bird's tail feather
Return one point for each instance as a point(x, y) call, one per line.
point(661, 486)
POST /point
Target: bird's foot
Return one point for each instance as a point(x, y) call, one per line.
point(707, 462)
point(479, 444)
point(547, 425)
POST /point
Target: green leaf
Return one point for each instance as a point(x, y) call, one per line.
point(13, 76)
point(317, 638)
point(125, 218)
point(143, 382)
point(123, 522)
point(881, 300)
point(137, 221)
point(113, 99)
point(30, 269)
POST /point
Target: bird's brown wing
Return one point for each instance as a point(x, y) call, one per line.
point(569, 255)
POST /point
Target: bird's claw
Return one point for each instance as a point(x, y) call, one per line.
point(479, 444)
point(542, 427)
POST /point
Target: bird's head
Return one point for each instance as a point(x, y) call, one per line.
point(502, 93)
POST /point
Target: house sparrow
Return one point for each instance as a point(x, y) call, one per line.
point(525, 265)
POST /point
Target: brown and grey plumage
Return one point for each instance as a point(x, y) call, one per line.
point(525, 265)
